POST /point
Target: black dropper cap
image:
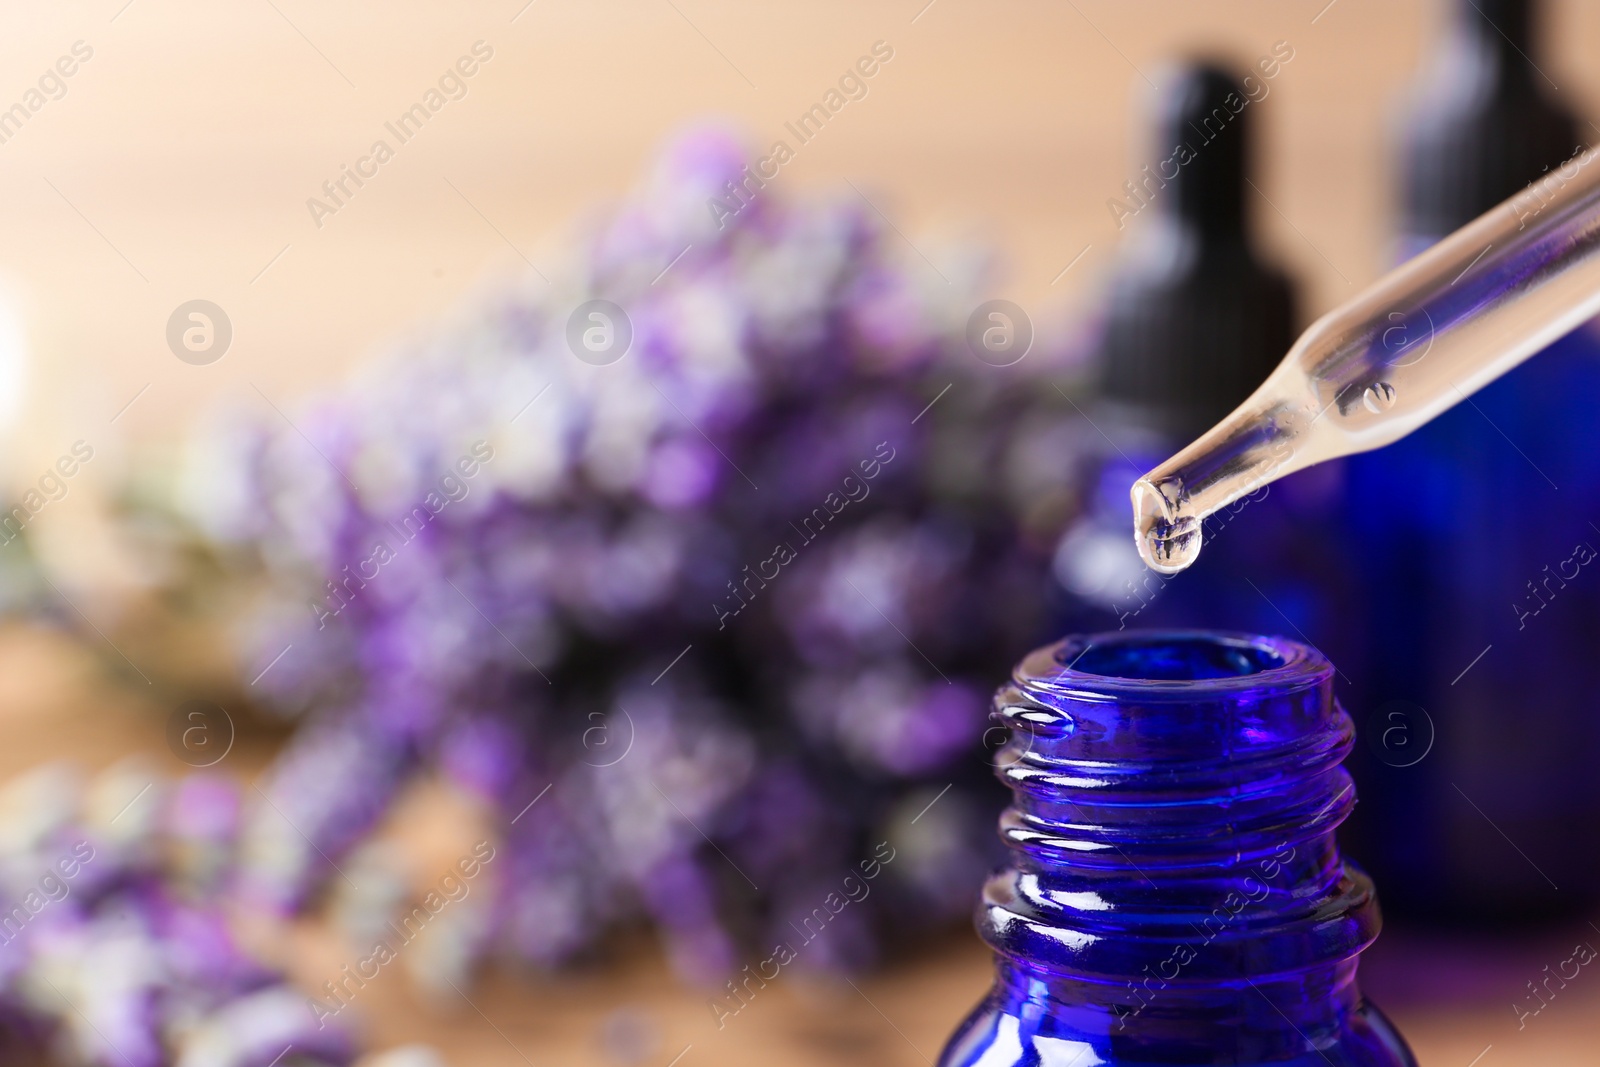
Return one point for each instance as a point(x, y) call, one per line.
point(1195, 319)
point(1483, 124)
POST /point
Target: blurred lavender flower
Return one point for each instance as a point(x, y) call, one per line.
point(692, 623)
point(107, 954)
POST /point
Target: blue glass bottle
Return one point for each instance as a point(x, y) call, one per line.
point(1175, 894)
point(1481, 619)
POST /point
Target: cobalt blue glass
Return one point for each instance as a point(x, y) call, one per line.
point(1175, 894)
point(1472, 537)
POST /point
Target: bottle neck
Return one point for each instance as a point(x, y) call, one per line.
point(1260, 1020)
point(1174, 867)
point(1502, 29)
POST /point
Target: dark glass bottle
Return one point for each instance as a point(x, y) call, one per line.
point(1175, 894)
point(1481, 619)
point(1195, 319)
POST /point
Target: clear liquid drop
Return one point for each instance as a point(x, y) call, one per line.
point(1167, 538)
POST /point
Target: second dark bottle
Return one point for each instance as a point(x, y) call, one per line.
point(1195, 318)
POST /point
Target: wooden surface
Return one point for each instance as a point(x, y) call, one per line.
point(1451, 996)
point(636, 1014)
point(178, 164)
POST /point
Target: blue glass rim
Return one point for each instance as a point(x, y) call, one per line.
point(1181, 664)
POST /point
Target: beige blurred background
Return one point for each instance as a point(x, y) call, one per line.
point(178, 165)
point(179, 162)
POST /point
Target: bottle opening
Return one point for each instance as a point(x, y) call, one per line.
point(1172, 658)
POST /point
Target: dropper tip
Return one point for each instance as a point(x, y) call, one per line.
point(1168, 540)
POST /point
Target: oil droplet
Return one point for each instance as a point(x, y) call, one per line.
point(1168, 548)
point(1168, 540)
point(1378, 397)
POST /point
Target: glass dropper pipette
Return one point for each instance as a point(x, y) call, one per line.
point(1422, 338)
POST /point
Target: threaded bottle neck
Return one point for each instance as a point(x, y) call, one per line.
point(1175, 800)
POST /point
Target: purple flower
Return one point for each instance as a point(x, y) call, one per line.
point(721, 603)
